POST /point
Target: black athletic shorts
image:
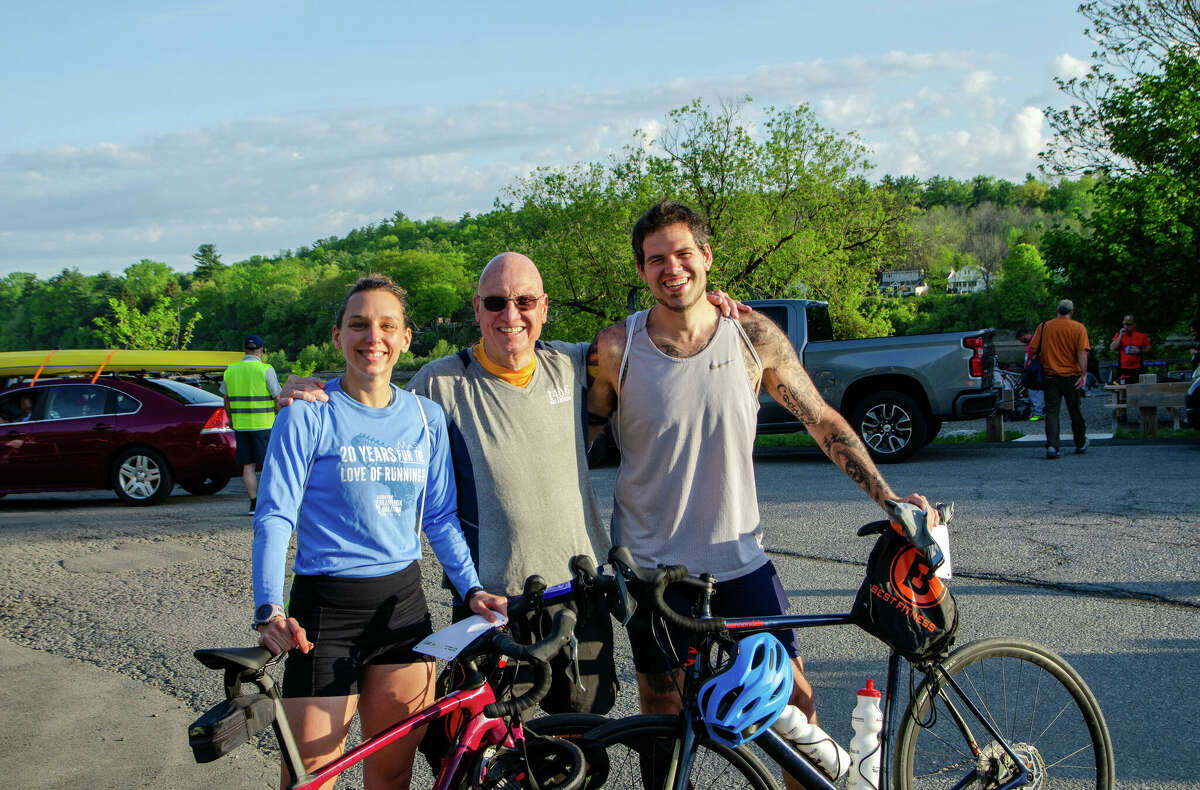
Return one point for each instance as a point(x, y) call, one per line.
point(252, 446)
point(354, 622)
point(757, 593)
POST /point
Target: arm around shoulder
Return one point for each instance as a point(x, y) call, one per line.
point(604, 366)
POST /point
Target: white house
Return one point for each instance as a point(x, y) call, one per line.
point(967, 280)
point(903, 282)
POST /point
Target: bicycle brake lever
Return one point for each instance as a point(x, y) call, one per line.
point(626, 609)
point(573, 648)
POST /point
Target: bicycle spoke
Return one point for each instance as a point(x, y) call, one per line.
point(1001, 683)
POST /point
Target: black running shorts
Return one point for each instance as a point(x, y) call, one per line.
point(758, 593)
point(353, 622)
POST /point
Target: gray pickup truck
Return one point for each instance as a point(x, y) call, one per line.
point(895, 391)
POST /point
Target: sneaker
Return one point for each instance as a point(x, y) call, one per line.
point(253, 502)
point(1035, 417)
point(1051, 453)
point(1083, 448)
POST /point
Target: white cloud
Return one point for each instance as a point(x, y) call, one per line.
point(1066, 67)
point(258, 185)
point(978, 82)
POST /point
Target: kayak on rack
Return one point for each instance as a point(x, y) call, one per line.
point(94, 361)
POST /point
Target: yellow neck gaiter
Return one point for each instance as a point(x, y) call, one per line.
point(518, 378)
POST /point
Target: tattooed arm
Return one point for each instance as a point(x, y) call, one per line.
point(603, 370)
point(787, 382)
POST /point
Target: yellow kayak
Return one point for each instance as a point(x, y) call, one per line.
point(94, 361)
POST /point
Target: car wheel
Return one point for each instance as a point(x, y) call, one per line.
point(891, 425)
point(203, 486)
point(932, 430)
point(141, 477)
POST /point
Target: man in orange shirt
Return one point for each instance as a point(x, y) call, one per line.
point(1062, 345)
point(1131, 344)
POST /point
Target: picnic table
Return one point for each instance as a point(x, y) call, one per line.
point(1148, 396)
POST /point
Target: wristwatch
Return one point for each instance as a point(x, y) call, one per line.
point(266, 613)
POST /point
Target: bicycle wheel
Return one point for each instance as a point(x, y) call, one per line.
point(639, 753)
point(1037, 702)
point(574, 727)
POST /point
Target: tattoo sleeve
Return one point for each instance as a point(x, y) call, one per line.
point(846, 450)
point(789, 384)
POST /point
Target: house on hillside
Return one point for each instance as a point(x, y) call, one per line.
point(967, 280)
point(903, 282)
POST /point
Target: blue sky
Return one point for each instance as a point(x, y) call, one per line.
point(135, 130)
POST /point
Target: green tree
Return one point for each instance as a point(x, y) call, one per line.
point(788, 204)
point(208, 262)
point(162, 327)
point(1139, 250)
point(148, 281)
point(1134, 38)
point(1022, 296)
point(438, 283)
point(1133, 255)
point(57, 313)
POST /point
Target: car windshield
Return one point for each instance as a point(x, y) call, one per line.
point(178, 391)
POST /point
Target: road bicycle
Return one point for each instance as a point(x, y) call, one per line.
point(1021, 406)
point(488, 747)
point(995, 713)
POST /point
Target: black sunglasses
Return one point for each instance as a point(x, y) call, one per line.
point(495, 304)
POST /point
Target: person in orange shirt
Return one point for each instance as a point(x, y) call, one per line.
point(1063, 345)
point(1131, 344)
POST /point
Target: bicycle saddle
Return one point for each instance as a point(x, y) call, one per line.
point(251, 658)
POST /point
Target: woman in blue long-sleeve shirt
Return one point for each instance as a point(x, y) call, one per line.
point(356, 477)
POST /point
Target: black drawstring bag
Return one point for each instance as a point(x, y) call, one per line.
point(901, 602)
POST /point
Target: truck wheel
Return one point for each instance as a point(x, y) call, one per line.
point(932, 429)
point(891, 425)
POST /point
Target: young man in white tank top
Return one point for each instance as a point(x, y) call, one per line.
point(679, 377)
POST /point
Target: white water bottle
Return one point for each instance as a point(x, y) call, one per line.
point(867, 721)
point(813, 741)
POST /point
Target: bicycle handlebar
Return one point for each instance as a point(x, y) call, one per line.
point(656, 580)
point(910, 522)
point(538, 654)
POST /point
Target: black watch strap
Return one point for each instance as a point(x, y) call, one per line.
point(471, 593)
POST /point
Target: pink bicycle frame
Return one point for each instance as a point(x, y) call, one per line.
point(480, 731)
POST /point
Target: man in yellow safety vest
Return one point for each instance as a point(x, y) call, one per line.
point(250, 387)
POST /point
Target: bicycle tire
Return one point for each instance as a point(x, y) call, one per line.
point(1033, 697)
point(574, 727)
point(638, 750)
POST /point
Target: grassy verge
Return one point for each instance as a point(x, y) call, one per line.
point(804, 440)
point(1135, 432)
point(974, 438)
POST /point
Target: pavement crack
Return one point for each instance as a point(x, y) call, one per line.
point(1088, 589)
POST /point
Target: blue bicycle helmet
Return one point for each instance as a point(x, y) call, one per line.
point(747, 697)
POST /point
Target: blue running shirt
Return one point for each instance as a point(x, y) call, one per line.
point(348, 479)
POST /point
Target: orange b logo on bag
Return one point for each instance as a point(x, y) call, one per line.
point(913, 579)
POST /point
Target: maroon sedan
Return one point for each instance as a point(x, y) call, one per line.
point(137, 436)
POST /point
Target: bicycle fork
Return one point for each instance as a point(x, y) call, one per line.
point(936, 692)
